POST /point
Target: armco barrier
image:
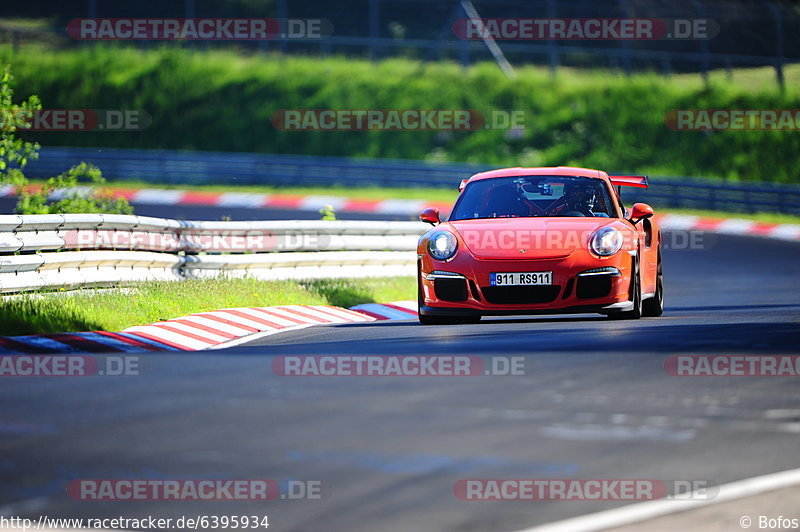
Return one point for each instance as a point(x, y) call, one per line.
point(81, 250)
point(197, 168)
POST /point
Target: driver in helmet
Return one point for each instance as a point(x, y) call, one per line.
point(578, 199)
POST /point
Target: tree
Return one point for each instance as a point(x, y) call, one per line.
point(15, 154)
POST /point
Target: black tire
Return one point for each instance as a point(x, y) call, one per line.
point(636, 312)
point(654, 306)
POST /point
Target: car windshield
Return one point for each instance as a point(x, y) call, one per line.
point(534, 196)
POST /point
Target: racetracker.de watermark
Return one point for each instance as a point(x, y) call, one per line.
point(558, 241)
point(733, 119)
point(733, 365)
point(213, 489)
point(395, 120)
point(188, 240)
point(585, 29)
point(57, 365)
point(604, 489)
point(61, 120)
point(397, 366)
point(197, 29)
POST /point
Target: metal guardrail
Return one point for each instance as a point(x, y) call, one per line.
point(82, 250)
point(197, 168)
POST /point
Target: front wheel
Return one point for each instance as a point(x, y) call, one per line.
point(654, 306)
point(636, 312)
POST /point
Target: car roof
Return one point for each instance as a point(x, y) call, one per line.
point(546, 170)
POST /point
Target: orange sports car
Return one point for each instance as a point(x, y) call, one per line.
point(540, 241)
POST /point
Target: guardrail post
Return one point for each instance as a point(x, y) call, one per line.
point(552, 47)
point(778, 18)
point(374, 26)
point(701, 11)
point(283, 13)
point(624, 44)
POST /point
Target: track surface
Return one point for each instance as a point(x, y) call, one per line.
point(595, 403)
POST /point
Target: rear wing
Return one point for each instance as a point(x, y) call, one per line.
point(619, 181)
point(639, 181)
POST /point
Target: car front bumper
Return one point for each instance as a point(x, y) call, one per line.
point(581, 283)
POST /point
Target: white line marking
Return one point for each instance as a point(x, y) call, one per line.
point(635, 513)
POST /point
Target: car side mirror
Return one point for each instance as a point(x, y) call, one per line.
point(430, 215)
point(639, 212)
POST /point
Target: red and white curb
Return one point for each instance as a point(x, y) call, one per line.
point(729, 226)
point(206, 330)
point(398, 207)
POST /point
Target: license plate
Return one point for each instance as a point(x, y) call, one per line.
point(521, 278)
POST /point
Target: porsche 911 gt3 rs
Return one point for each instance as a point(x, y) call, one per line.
point(538, 241)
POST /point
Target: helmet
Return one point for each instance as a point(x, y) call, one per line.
point(578, 192)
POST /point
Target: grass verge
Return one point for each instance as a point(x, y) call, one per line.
point(220, 100)
point(111, 310)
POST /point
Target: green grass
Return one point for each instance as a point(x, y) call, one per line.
point(109, 310)
point(221, 100)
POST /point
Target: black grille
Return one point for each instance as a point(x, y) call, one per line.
point(450, 289)
point(592, 286)
point(520, 295)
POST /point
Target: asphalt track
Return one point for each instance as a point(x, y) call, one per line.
point(595, 402)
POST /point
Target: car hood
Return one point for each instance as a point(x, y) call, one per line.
point(527, 238)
